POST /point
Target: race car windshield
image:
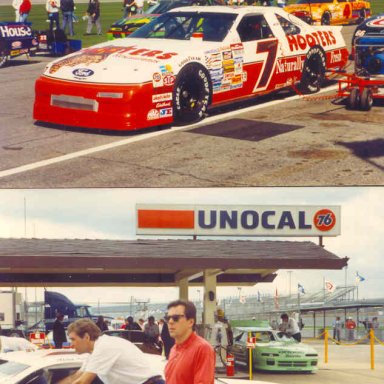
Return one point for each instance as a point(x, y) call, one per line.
point(184, 25)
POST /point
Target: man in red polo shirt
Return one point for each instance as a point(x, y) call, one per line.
point(192, 359)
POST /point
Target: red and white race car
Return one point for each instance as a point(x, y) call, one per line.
point(186, 60)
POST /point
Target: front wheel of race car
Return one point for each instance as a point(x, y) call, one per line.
point(313, 71)
point(3, 59)
point(191, 95)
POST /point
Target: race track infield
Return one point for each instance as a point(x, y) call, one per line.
point(267, 142)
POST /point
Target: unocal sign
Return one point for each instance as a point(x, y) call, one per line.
point(238, 220)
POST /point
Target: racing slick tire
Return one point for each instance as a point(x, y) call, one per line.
point(313, 71)
point(3, 59)
point(191, 94)
point(353, 101)
point(366, 100)
point(326, 18)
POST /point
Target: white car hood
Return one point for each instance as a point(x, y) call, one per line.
point(125, 61)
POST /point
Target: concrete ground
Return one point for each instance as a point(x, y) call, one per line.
point(346, 364)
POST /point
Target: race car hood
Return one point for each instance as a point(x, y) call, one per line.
point(125, 61)
point(286, 348)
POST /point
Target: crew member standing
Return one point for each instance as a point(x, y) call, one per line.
point(53, 7)
point(16, 6)
point(59, 336)
point(192, 359)
point(93, 12)
point(67, 8)
point(24, 10)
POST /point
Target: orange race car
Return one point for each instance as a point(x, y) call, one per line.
point(330, 12)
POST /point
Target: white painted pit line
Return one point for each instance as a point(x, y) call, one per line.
point(144, 136)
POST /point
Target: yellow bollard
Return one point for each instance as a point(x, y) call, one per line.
point(325, 346)
point(250, 356)
point(372, 342)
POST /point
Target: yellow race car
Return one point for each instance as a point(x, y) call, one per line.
point(330, 12)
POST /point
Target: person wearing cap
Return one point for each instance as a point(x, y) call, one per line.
point(192, 359)
point(112, 359)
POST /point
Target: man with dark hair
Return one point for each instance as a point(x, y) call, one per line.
point(151, 330)
point(290, 327)
point(59, 336)
point(113, 359)
point(192, 359)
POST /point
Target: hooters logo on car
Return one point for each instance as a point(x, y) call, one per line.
point(302, 42)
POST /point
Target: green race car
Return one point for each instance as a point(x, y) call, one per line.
point(273, 351)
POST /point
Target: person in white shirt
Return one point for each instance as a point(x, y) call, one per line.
point(16, 6)
point(53, 8)
point(113, 359)
point(290, 327)
point(10, 344)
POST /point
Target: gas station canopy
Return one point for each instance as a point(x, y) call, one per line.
point(43, 262)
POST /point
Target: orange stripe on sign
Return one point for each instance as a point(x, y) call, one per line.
point(166, 219)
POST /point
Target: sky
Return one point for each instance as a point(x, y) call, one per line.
point(109, 214)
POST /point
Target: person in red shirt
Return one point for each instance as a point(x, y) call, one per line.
point(24, 10)
point(192, 359)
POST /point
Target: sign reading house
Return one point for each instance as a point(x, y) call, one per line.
point(238, 220)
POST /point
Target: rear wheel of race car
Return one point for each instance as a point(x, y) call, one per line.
point(326, 18)
point(191, 94)
point(3, 59)
point(366, 100)
point(353, 99)
point(313, 71)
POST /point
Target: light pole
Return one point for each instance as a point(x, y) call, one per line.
point(239, 288)
point(198, 291)
point(290, 280)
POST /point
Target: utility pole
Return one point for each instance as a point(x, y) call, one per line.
point(290, 280)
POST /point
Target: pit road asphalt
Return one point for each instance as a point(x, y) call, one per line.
point(266, 142)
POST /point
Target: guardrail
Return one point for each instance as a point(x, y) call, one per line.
point(370, 336)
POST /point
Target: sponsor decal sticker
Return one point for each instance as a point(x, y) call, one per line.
point(168, 80)
point(83, 72)
point(163, 104)
point(15, 31)
point(157, 80)
point(153, 114)
point(166, 112)
point(16, 44)
point(161, 97)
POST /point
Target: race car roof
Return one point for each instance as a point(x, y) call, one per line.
point(154, 262)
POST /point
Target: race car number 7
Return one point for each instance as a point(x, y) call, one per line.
point(269, 47)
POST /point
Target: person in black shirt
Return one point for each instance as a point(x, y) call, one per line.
point(59, 335)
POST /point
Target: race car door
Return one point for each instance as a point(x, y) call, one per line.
point(261, 50)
